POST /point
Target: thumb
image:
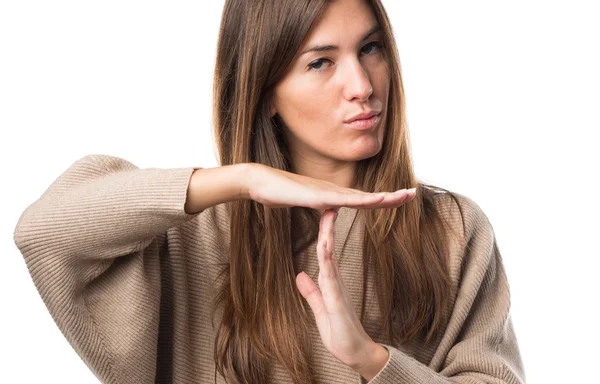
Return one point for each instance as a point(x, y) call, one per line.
point(309, 290)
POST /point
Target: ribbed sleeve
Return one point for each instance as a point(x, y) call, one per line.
point(92, 243)
point(480, 341)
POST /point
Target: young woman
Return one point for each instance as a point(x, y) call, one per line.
point(293, 261)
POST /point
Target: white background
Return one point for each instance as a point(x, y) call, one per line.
point(503, 101)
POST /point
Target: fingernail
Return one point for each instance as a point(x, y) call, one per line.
point(411, 191)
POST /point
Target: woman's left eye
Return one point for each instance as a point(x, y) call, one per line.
point(375, 44)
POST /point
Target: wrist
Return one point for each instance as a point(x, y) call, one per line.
point(245, 173)
point(211, 186)
point(376, 357)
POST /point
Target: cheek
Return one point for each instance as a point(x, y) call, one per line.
point(305, 110)
point(383, 83)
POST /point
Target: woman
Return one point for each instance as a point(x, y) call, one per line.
point(195, 275)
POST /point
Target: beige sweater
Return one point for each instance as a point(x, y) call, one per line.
point(128, 276)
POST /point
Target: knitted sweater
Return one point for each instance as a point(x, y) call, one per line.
point(129, 277)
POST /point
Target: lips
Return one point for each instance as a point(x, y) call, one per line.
point(364, 124)
point(362, 116)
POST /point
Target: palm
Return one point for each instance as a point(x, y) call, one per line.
point(276, 189)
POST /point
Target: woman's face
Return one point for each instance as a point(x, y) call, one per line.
point(324, 89)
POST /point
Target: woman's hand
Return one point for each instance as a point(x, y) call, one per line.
point(276, 189)
point(340, 328)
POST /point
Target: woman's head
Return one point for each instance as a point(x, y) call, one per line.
point(339, 71)
point(279, 107)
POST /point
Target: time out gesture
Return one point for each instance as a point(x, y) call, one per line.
point(341, 331)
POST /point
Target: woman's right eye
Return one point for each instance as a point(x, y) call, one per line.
point(316, 65)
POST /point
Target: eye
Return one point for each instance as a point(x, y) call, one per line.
point(376, 44)
point(316, 66)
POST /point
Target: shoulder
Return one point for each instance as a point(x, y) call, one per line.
point(459, 210)
point(473, 241)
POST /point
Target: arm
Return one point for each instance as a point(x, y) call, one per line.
point(479, 344)
point(107, 203)
point(93, 243)
point(212, 186)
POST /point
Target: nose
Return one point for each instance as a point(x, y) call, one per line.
point(358, 84)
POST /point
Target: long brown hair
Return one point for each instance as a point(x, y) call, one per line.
point(264, 317)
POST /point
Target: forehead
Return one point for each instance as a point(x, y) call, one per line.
point(343, 22)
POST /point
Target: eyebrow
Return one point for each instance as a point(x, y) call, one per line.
point(321, 48)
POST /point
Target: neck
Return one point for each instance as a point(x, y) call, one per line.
point(337, 172)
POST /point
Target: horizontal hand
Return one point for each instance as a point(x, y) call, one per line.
point(276, 189)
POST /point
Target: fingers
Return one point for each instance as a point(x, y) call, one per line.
point(394, 199)
point(328, 273)
point(309, 290)
point(315, 295)
point(326, 241)
point(359, 199)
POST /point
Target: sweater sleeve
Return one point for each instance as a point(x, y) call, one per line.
point(92, 243)
point(479, 345)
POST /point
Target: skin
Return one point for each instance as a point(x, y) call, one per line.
point(320, 91)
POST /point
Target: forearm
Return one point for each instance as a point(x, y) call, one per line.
point(213, 186)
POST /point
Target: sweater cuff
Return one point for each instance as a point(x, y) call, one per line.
point(402, 369)
point(362, 380)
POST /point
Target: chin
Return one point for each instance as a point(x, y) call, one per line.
point(367, 156)
point(364, 153)
point(367, 149)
